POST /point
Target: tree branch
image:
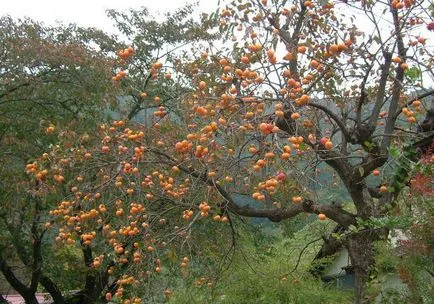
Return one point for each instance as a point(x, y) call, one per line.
point(136, 109)
point(90, 277)
point(363, 96)
point(11, 278)
point(333, 116)
point(397, 84)
point(381, 89)
point(333, 212)
point(37, 256)
point(52, 289)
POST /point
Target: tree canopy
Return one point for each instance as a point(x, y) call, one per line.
point(288, 108)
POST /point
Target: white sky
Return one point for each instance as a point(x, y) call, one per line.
point(88, 12)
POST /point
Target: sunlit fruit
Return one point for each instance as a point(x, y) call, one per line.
point(383, 189)
point(202, 85)
point(322, 217)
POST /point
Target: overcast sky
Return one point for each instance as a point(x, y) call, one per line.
point(88, 12)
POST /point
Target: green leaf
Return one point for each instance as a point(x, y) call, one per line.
point(413, 73)
point(394, 152)
point(431, 9)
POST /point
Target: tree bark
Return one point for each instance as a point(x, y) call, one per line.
point(52, 289)
point(21, 288)
point(361, 251)
point(30, 298)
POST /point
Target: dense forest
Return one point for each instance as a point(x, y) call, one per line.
point(266, 152)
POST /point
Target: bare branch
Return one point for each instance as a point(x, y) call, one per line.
point(333, 116)
point(397, 84)
point(381, 89)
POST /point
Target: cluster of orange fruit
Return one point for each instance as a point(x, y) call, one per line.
point(161, 112)
point(419, 40)
point(64, 236)
point(202, 281)
point(184, 262)
point(271, 56)
point(410, 114)
point(397, 4)
point(123, 55)
point(268, 128)
point(183, 146)
point(187, 214)
point(225, 13)
point(219, 218)
point(204, 209)
point(120, 75)
point(87, 238)
point(287, 12)
point(31, 168)
point(97, 261)
point(126, 53)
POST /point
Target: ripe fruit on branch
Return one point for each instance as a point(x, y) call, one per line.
point(411, 119)
point(404, 66)
point(303, 100)
point(267, 128)
point(383, 189)
point(328, 145)
point(281, 176)
point(297, 199)
point(301, 49)
point(202, 85)
point(295, 116)
point(50, 130)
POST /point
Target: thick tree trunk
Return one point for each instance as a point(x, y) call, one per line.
point(53, 290)
point(27, 293)
point(361, 250)
point(30, 298)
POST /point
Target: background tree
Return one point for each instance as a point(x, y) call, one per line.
point(58, 78)
point(50, 76)
point(173, 39)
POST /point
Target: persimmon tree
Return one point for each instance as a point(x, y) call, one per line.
point(56, 82)
point(50, 76)
point(304, 99)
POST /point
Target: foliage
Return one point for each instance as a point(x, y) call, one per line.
point(172, 41)
point(51, 77)
point(69, 271)
point(411, 259)
point(55, 83)
point(270, 270)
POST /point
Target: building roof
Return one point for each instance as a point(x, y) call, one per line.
point(18, 299)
